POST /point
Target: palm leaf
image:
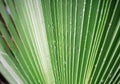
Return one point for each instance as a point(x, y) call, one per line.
point(60, 41)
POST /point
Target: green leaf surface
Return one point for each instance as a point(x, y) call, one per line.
point(60, 41)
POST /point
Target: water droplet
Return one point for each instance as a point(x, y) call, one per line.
point(102, 81)
point(109, 24)
point(59, 79)
point(8, 10)
point(64, 62)
point(104, 60)
point(89, 16)
point(80, 16)
point(50, 26)
point(51, 46)
point(38, 81)
point(54, 68)
point(95, 65)
point(110, 72)
point(83, 10)
point(89, 33)
point(109, 75)
point(90, 4)
point(64, 69)
point(84, 3)
point(54, 41)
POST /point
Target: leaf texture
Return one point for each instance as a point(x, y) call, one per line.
point(60, 41)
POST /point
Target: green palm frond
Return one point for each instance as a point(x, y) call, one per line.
point(60, 41)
